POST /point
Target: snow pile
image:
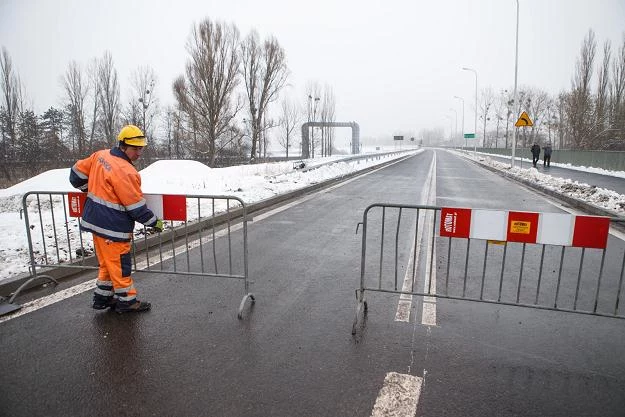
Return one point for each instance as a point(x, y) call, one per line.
point(592, 194)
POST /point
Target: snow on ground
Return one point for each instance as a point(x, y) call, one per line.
point(593, 170)
point(600, 197)
point(250, 183)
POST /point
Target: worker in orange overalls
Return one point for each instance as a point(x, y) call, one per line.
point(114, 203)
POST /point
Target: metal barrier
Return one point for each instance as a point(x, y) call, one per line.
point(548, 261)
point(204, 236)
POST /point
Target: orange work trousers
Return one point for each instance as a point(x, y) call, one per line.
point(115, 267)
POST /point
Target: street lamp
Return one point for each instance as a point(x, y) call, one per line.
point(516, 71)
point(465, 139)
point(475, 124)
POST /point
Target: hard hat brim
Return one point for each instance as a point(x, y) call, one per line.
point(135, 142)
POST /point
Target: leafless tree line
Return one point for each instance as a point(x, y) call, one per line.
point(221, 110)
point(585, 117)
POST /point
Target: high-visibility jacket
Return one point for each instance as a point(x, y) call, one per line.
point(114, 200)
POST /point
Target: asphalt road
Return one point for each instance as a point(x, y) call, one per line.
point(293, 354)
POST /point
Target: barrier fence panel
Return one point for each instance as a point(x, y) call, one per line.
point(549, 261)
point(203, 236)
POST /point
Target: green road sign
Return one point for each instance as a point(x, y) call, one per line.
point(469, 135)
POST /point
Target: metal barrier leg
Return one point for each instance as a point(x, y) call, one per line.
point(361, 311)
point(246, 297)
point(9, 306)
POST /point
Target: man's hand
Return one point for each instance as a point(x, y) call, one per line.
point(158, 226)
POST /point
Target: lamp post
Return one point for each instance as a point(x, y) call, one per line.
point(465, 139)
point(516, 71)
point(475, 124)
point(456, 129)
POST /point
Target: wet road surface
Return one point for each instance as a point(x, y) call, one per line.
point(293, 354)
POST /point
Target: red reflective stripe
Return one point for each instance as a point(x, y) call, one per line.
point(591, 232)
point(175, 207)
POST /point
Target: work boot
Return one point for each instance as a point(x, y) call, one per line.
point(134, 306)
point(101, 302)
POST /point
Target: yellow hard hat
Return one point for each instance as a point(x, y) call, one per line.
point(132, 135)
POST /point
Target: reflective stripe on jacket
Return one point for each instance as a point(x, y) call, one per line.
point(114, 200)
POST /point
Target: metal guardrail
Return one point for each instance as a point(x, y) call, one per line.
point(302, 166)
point(214, 231)
point(566, 278)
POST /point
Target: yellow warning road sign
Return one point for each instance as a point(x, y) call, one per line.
point(524, 120)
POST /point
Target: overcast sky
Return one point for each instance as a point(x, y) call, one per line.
point(394, 65)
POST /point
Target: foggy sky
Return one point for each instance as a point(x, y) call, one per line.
point(394, 65)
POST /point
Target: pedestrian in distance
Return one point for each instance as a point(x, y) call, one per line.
point(547, 155)
point(114, 203)
point(535, 153)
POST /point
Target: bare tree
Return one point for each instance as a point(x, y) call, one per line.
point(108, 96)
point(617, 94)
point(327, 112)
point(537, 102)
point(551, 119)
point(579, 104)
point(76, 89)
point(508, 99)
point(208, 90)
point(500, 108)
point(94, 95)
point(601, 101)
point(144, 105)
point(485, 103)
point(289, 120)
point(264, 73)
point(12, 102)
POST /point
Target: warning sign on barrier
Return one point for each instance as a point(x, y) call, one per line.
point(76, 203)
point(522, 227)
point(455, 222)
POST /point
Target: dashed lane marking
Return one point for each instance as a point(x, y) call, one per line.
point(398, 396)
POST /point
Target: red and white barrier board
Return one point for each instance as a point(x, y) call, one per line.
point(166, 207)
point(525, 227)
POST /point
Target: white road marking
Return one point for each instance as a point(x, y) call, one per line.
point(398, 396)
point(405, 300)
point(428, 312)
point(42, 302)
point(428, 316)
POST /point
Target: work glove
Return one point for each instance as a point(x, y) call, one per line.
point(159, 226)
